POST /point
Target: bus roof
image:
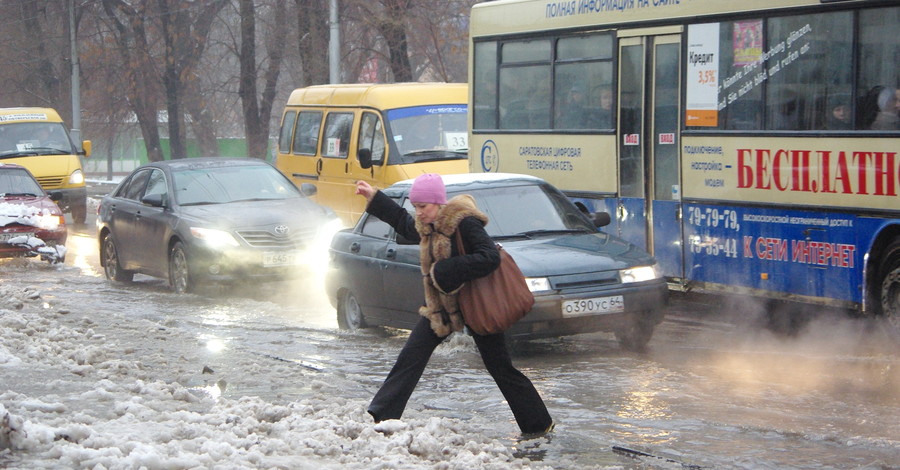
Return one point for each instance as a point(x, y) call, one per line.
point(380, 96)
point(29, 114)
point(512, 16)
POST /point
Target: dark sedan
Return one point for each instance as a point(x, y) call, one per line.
point(583, 280)
point(211, 220)
point(31, 224)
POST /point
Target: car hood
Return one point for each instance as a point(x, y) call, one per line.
point(575, 253)
point(246, 214)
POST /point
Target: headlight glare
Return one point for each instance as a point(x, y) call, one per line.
point(639, 274)
point(213, 237)
point(77, 177)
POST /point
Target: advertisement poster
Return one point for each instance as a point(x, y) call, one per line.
point(703, 75)
point(747, 42)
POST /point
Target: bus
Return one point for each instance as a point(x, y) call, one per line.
point(335, 135)
point(750, 146)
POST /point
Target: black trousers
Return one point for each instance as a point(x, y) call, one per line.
point(524, 401)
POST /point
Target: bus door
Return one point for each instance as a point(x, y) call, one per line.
point(649, 205)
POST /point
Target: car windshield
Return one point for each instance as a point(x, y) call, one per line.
point(17, 182)
point(527, 210)
point(34, 138)
point(429, 133)
point(224, 184)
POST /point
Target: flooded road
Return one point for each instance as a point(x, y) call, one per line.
point(714, 390)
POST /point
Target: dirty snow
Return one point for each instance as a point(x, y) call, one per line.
point(12, 213)
point(100, 390)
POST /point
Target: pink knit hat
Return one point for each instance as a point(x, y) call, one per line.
point(428, 188)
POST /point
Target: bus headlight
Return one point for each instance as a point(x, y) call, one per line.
point(639, 274)
point(77, 177)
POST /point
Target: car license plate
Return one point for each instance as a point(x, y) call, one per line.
point(280, 258)
point(6, 237)
point(574, 308)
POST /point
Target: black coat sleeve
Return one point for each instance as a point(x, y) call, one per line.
point(481, 258)
point(397, 217)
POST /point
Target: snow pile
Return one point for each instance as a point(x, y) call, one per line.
point(87, 392)
point(11, 213)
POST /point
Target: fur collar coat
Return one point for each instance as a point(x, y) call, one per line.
point(444, 270)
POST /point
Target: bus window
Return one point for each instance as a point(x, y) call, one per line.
point(524, 85)
point(336, 140)
point(878, 69)
point(812, 69)
point(306, 137)
point(485, 85)
point(582, 77)
point(287, 125)
point(371, 137)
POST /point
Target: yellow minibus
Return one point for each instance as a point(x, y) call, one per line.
point(334, 135)
point(36, 138)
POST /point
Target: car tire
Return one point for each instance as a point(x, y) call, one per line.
point(111, 265)
point(179, 270)
point(349, 314)
point(635, 331)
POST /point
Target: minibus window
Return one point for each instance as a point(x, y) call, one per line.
point(336, 140)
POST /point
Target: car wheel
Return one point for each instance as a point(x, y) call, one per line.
point(179, 270)
point(79, 213)
point(111, 265)
point(349, 315)
point(636, 330)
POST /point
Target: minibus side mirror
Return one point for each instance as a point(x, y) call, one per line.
point(365, 158)
point(85, 148)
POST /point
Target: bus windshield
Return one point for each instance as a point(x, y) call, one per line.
point(35, 138)
point(429, 133)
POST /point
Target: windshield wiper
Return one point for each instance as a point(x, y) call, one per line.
point(532, 233)
point(18, 194)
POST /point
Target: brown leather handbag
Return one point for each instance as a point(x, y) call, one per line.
point(493, 303)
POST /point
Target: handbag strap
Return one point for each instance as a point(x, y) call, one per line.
point(459, 243)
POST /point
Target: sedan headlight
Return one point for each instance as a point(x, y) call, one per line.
point(214, 238)
point(537, 284)
point(639, 274)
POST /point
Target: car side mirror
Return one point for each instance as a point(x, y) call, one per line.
point(308, 189)
point(365, 158)
point(85, 148)
point(55, 196)
point(600, 219)
point(155, 200)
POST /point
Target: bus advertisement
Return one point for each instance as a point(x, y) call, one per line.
point(751, 147)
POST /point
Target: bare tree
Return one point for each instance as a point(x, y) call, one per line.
point(257, 109)
point(130, 36)
point(312, 24)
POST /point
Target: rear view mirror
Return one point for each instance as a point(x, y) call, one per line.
point(155, 200)
point(600, 219)
point(55, 196)
point(308, 189)
point(401, 240)
point(365, 158)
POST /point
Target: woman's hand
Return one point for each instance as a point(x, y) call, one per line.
point(365, 190)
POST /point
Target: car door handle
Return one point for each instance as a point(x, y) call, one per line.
point(391, 253)
point(354, 247)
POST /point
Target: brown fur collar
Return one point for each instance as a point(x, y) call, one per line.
point(436, 244)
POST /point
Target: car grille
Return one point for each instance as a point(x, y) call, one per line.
point(51, 181)
point(577, 281)
point(265, 239)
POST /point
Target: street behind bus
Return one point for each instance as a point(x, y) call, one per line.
point(714, 390)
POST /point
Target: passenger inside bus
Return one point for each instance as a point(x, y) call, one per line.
point(887, 118)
